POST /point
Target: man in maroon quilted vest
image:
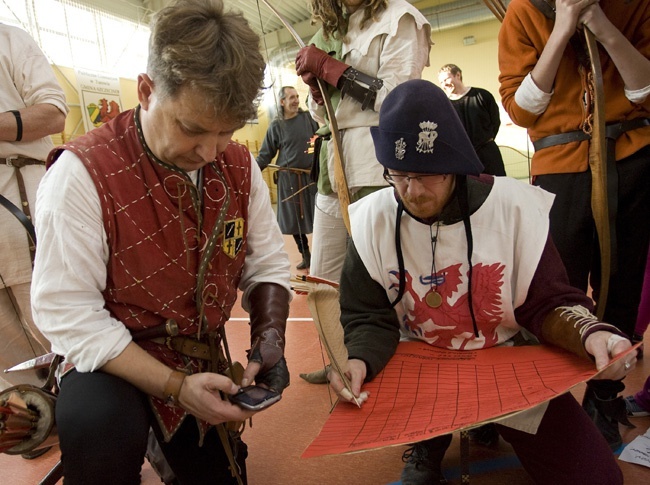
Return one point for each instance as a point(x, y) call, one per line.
point(151, 222)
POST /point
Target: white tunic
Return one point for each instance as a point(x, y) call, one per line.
point(394, 49)
point(509, 231)
point(26, 79)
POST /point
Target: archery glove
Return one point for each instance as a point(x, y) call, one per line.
point(311, 59)
point(269, 310)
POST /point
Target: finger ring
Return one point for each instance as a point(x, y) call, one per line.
point(627, 365)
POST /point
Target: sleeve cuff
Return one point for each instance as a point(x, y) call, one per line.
point(637, 96)
point(530, 98)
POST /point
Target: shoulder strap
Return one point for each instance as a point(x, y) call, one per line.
point(20, 215)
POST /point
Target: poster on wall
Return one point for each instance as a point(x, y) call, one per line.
point(99, 97)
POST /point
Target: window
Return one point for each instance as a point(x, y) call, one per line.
point(80, 36)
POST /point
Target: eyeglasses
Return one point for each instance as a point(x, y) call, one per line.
point(403, 180)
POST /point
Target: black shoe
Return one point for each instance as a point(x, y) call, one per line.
point(306, 261)
point(30, 455)
point(423, 462)
point(486, 435)
point(606, 415)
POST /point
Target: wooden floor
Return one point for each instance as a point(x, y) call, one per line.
point(280, 434)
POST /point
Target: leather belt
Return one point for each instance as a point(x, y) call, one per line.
point(207, 349)
point(615, 130)
point(612, 132)
point(561, 139)
point(20, 162)
point(186, 346)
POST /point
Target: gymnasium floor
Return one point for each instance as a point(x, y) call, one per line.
point(280, 434)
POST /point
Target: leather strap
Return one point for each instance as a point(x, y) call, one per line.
point(20, 162)
point(28, 213)
point(207, 350)
point(185, 346)
point(561, 139)
point(24, 215)
point(615, 130)
point(361, 87)
point(20, 215)
point(612, 132)
point(173, 387)
point(227, 448)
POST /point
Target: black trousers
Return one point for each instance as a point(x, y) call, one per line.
point(566, 449)
point(574, 234)
point(491, 158)
point(103, 424)
point(302, 242)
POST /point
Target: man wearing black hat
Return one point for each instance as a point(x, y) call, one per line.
point(465, 262)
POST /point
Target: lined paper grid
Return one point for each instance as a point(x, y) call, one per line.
point(425, 392)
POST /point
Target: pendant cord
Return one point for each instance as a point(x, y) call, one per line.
point(463, 201)
point(400, 256)
point(434, 242)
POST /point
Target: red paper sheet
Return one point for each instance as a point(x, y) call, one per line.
point(425, 392)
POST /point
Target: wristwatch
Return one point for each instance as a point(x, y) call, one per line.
point(173, 388)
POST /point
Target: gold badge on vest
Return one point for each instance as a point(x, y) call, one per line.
point(233, 237)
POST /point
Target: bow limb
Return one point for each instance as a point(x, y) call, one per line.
point(497, 7)
point(598, 167)
point(339, 166)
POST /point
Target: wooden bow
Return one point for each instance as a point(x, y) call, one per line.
point(598, 166)
point(497, 7)
point(323, 299)
point(339, 166)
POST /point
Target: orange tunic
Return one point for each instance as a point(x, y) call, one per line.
point(523, 35)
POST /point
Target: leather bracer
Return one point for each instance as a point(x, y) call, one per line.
point(360, 86)
point(568, 328)
point(269, 310)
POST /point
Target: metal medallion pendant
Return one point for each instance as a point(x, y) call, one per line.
point(433, 299)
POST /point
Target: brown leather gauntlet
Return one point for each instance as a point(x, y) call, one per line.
point(269, 310)
point(568, 328)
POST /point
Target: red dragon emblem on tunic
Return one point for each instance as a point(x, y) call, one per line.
point(450, 325)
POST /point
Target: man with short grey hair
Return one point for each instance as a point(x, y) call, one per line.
point(148, 227)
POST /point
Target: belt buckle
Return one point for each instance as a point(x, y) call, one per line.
point(10, 159)
point(168, 343)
